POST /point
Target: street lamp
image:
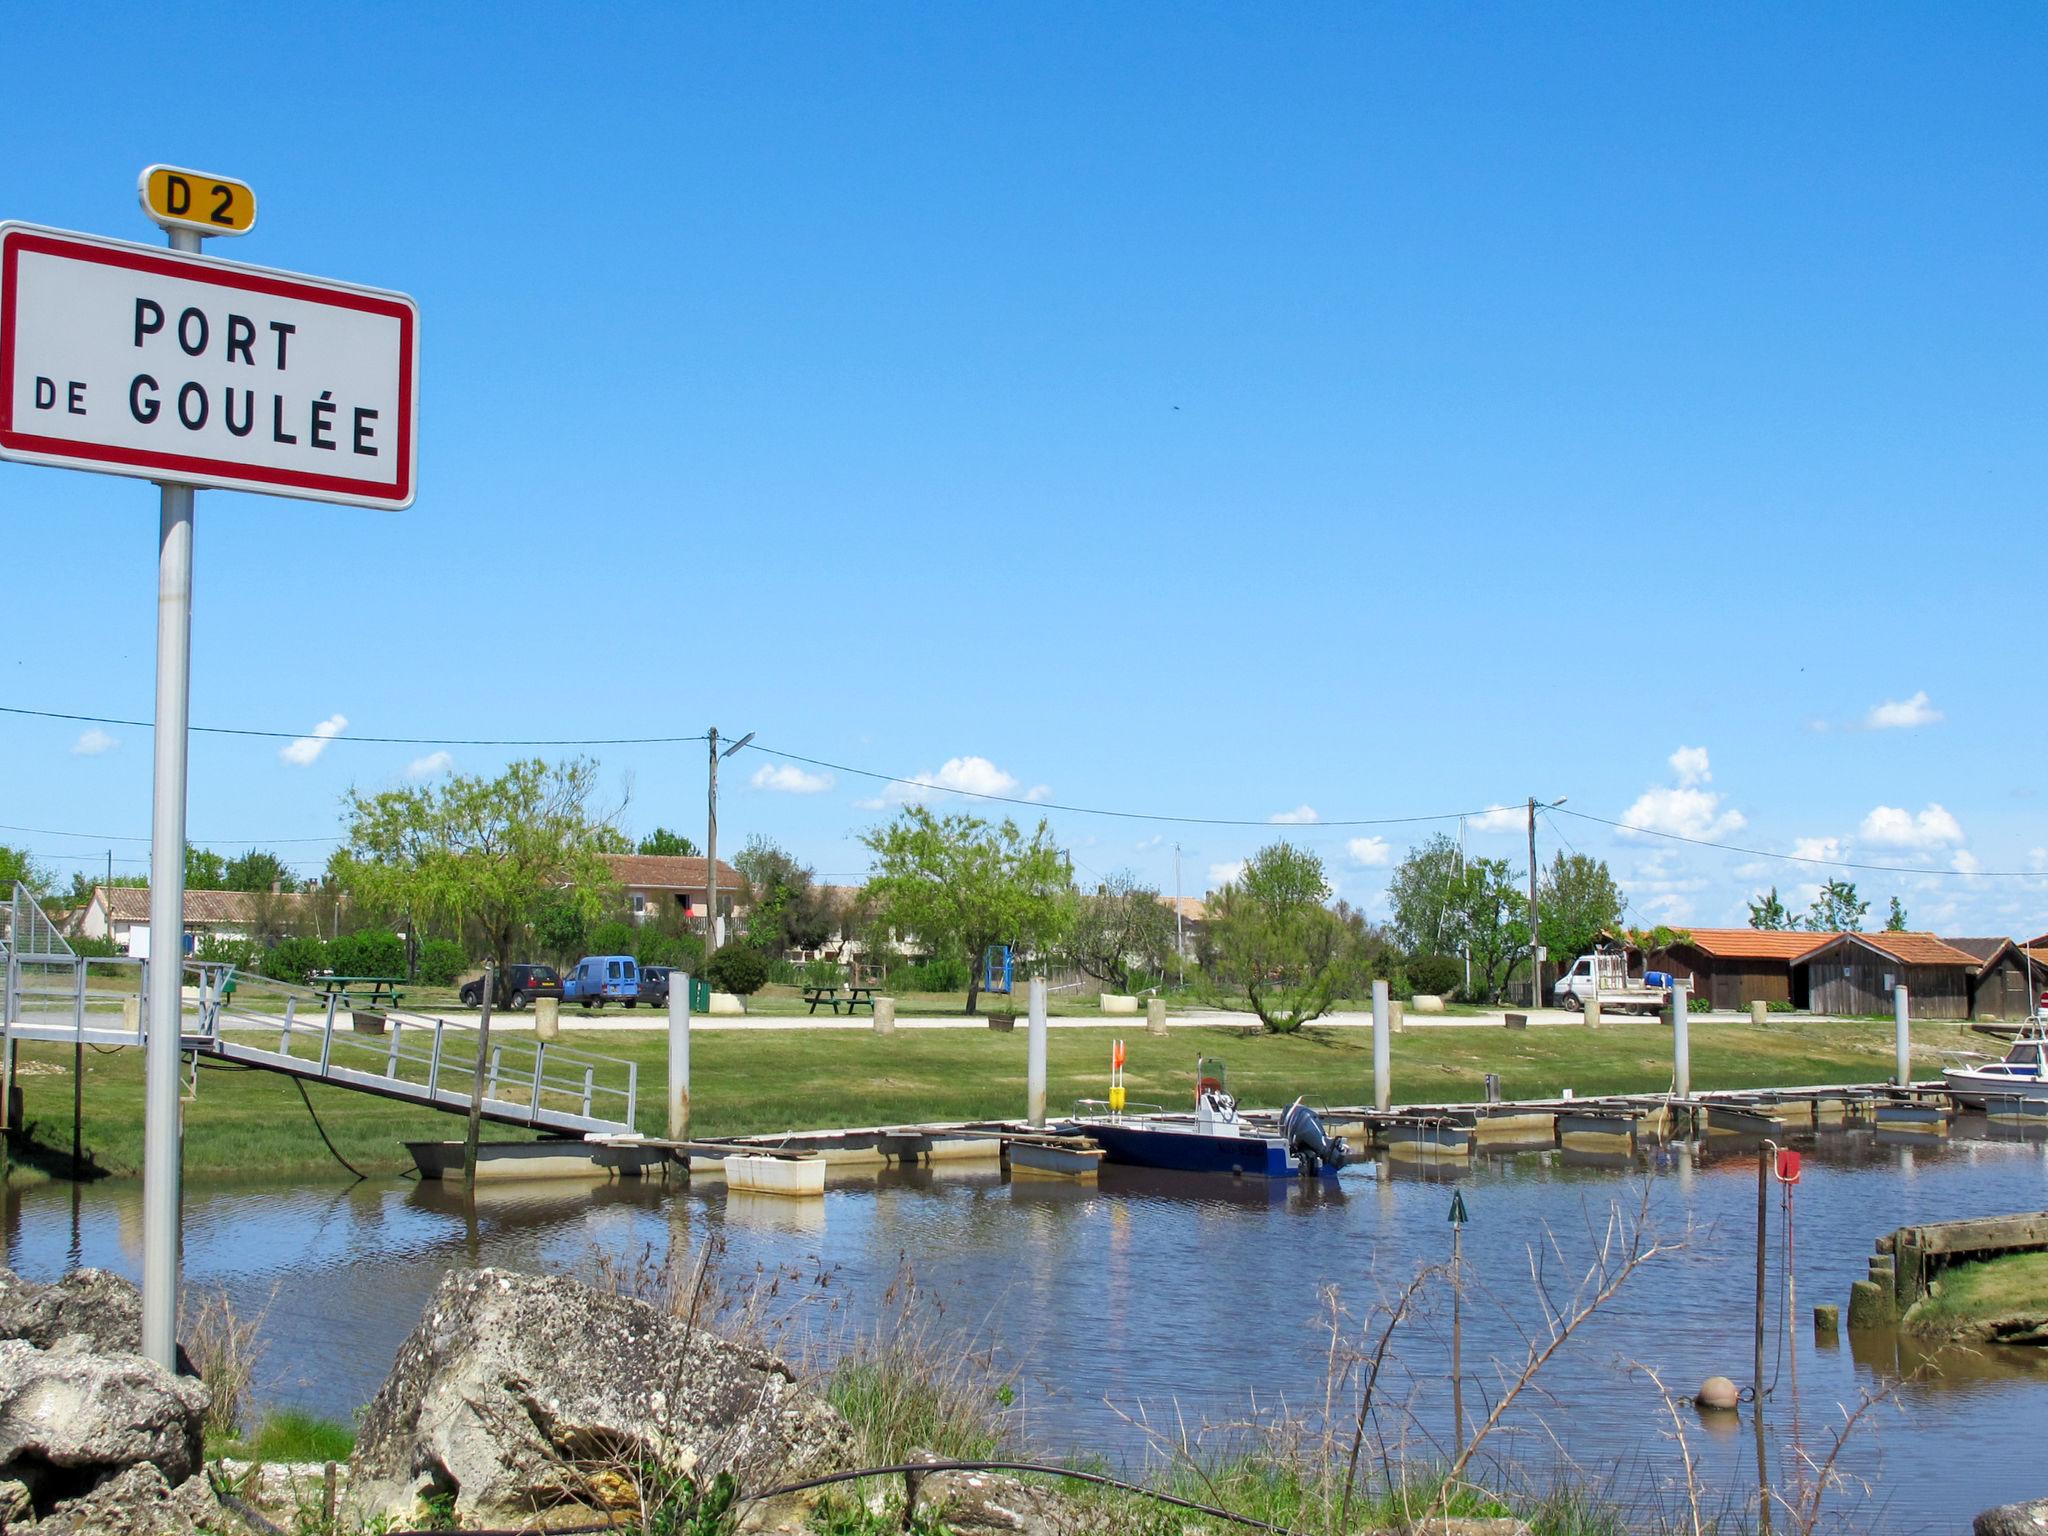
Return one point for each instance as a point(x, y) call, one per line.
point(711, 841)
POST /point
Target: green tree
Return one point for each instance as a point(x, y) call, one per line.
point(1895, 919)
point(19, 864)
point(492, 853)
point(1121, 930)
point(1771, 915)
point(1837, 909)
point(257, 870)
point(671, 844)
point(788, 910)
point(205, 870)
point(1424, 891)
point(1271, 937)
point(739, 969)
point(960, 885)
point(1493, 922)
point(85, 880)
point(1578, 902)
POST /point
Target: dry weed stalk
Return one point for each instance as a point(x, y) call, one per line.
point(225, 1348)
point(1692, 1481)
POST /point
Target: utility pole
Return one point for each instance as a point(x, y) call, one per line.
point(711, 840)
point(1535, 929)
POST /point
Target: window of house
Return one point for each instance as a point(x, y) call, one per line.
point(639, 904)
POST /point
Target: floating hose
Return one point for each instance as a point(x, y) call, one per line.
point(300, 1084)
point(915, 1469)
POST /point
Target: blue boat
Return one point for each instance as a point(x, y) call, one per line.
point(1214, 1139)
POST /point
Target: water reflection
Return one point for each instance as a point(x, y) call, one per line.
point(1182, 1297)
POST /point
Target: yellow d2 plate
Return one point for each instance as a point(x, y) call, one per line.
point(182, 199)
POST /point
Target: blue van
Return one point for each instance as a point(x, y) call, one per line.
point(601, 979)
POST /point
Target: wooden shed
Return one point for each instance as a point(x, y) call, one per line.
point(1734, 967)
point(1854, 973)
point(2006, 982)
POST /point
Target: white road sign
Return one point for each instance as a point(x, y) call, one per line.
point(135, 360)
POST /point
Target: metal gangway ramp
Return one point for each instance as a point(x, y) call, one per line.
point(54, 995)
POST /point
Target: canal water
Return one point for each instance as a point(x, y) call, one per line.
point(1193, 1306)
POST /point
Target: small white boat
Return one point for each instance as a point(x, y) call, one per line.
point(2022, 1075)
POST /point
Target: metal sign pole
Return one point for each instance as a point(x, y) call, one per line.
point(163, 1139)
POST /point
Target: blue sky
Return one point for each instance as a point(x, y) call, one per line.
point(1208, 410)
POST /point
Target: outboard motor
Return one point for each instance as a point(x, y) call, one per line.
point(1308, 1141)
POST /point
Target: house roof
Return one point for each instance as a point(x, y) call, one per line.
point(1193, 908)
point(1752, 943)
point(671, 872)
point(1986, 952)
point(130, 904)
point(1906, 948)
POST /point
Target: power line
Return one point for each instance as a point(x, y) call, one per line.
point(388, 741)
point(124, 837)
point(1802, 858)
point(1096, 810)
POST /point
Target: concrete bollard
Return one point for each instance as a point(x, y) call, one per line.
point(1759, 1012)
point(131, 1015)
point(1397, 1016)
point(1592, 1013)
point(1427, 1002)
point(1870, 1305)
point(1827, 1323)
point(1034, 1056)
point(1382, 1049)
point(1155, 1015)
point(1902, 1043)
point(885, 1015)
point(547, 1018)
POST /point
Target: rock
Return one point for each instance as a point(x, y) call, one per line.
point(2028, 1519)
point(140, 1503)
point(15, 1503)
point(281, 1490)
point(1719, 1394)
point(1426, 1002)
point(70, 1419)
point(1469, 1525)
point(991, 1504)
point(93, 1303)
point(522, 1393)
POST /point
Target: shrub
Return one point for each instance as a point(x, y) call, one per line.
point(944, 973)
point(1438, 974)
point(441, 961)
point(242, 954)
point(295, 959)
point(737, 969)
point(371, 952)
point(93, 949)
point(614, 936)
point(684, 951)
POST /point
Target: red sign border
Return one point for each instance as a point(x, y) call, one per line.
point(17, 240)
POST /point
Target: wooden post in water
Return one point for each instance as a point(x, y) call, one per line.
point(476, 1089)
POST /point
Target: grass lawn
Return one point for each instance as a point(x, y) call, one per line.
point(1976, 1298)
point(253, 1123)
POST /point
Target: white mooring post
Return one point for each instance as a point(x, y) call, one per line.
point(1382, 1048)
point(1681, 1044)
point(1034, 1057)
point(1902, 1038)
point(679, 1058)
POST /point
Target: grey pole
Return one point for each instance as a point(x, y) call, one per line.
point(1902, 1040)
point(711, 854)
point(1382, 1048)
point(476, 1086)
point(1034, 1071)
point(1681, 1044)
point(1535, 928)
point(679, 1058)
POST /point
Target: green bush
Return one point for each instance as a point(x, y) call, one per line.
point(242, 954)
point(1438, 974)
point(371, 952)
point(684, 951)
point(1779, 1007)
point(614, 936)
point(943, 973)
point(295, 959)
point(441, 962)
point(93, 949)
point(737, 969)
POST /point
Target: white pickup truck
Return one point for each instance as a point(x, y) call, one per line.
point(1606, 976)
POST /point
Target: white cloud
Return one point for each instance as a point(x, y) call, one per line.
point(1299, 816)
point(307, 749)
point(1151, 842)
point(1691, 766)
point(1902, 714)
point(1038, 792)
point(1224, 874)
point(1891, 826)
point(1372, 852)
point(1683, 812)
point(789, 779)
point(1966, 862)
point(1829, 848)
point(430, 766)
point(93, 743)
point(1500, 818)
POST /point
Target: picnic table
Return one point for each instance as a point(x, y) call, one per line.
point(370, 991)
point(854, 997)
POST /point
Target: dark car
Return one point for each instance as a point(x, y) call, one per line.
point(654, 985)
point(518, 985)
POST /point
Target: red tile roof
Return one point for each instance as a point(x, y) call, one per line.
point(670, 872)
point(1752, 943)
point(1906, 948)
point(130, 904)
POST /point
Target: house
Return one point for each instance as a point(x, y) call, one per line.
point(1734, 967)
point(2007, 980)
point(660, 882)
point(121, 913)
point(1854, 973)
point(1191, 916)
